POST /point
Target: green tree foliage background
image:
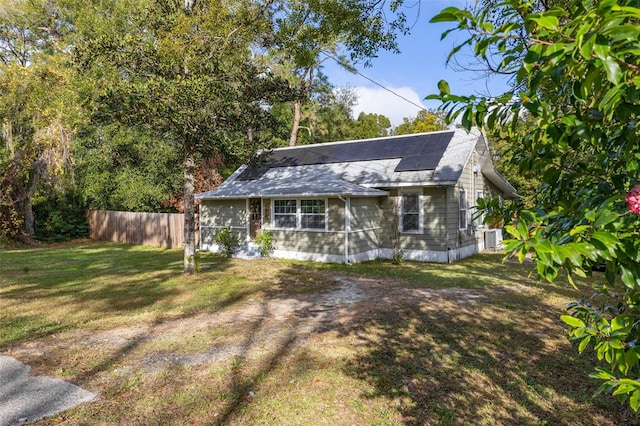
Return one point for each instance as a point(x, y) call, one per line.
point(38, 117)
point(114, 104)
point(186, 73)
point(126, 168)
point(425, 121)
point(92, 93)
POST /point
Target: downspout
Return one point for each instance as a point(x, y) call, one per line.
point(347, 227)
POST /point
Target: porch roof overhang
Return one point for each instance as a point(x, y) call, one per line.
point(321, 186)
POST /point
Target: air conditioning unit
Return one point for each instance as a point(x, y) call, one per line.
point(493, 239)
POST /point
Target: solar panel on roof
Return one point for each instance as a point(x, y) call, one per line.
point(428, 157)
point(417, 152)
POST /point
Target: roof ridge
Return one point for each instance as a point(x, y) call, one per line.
point(311, 145)
point(421, 151)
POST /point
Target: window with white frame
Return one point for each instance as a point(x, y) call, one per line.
point(312, 214)
point(410, 212)
point(300, 214)
point(479, 217)
point(285, 213)
point(463, 209)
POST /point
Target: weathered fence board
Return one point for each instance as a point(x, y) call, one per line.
point(148, 229)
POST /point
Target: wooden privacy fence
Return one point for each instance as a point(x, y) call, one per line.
point(148, 229)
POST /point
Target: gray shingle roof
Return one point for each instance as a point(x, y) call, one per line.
point(416, 152)
point(294, 181)
point(355, 168)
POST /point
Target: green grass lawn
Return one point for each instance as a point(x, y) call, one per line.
point(275, 342)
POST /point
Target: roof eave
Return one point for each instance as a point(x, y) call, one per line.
point(508, 191)
point(379, 193)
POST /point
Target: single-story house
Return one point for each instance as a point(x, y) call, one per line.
point(360, 200)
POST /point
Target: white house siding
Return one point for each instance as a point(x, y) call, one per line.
point(430, 244)
point(452, 221)
point(336, 214)
point(469, 180)
point(434, 222)
point(461, 243)
point(365, 213)
point(389, 219)
point(266, 213)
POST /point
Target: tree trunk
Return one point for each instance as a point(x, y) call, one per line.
point(13, 204)
point(29, 220)
point(189, 212)
point(297, 116)
point(38, 168)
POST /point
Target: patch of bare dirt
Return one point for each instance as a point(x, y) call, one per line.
point(271, 322)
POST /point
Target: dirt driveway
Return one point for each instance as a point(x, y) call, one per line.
point(271, 321)
point(358, 350)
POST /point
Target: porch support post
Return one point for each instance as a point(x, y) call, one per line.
point(248, 219)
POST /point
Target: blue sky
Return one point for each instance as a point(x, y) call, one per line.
point(414, 73)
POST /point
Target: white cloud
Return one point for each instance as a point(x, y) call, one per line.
point(380, 101)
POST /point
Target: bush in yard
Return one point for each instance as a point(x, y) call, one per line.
point(397, 257)
point(59, 220)
point(576, 72)
point(227, 240)
point(265, 241)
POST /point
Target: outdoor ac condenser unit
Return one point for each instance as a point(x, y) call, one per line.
point(492, 239)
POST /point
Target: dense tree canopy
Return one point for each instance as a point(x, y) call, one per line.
point(38, 111)
point(328, 117)
point(308, 33)
point(511, 162)
point(425, 121)
point(126, 168)
point(577, 77)
point(185, 73)
point(370, 126)
point(99, 99)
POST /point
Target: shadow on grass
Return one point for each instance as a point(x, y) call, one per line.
point(480, 271)
point(444, 370)
point(499, 359)
point(241, 383)
point(99, 279)
point(431, 356)
point(498, 356)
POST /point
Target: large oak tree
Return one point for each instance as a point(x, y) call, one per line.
point(186, 72)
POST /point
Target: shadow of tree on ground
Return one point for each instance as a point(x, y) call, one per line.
point(452, 360)
point(272, 342)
